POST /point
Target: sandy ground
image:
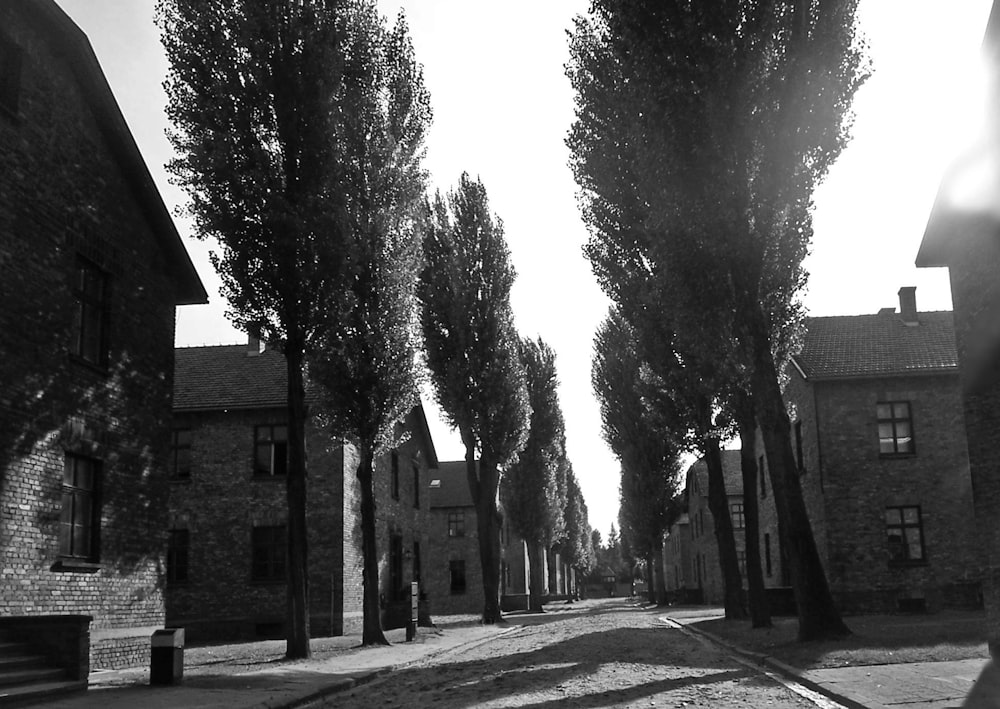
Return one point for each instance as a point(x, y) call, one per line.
point(606, 654)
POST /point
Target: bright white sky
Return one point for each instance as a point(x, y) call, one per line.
point(502, 109)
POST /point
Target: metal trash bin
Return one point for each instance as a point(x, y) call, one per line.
point(166, 657)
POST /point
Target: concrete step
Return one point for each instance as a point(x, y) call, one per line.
point(21, 658)
point(16, 676)
point(39, 692)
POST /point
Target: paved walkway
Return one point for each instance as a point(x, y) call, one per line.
point(926, 685)
point(917, 685)
point(280, 686)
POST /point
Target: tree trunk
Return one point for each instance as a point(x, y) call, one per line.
point(483, 484)
point(371, 626)
point(760, 612)
point(297, 614)
point(536, 577)
point(818, 615)
point(718, 505)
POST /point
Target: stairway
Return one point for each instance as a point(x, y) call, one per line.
point(27, 678)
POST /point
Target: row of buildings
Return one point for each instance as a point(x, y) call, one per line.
point(876, 409)
point(143, 486)
point(896, 423)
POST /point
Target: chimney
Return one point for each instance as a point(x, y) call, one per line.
point(254, 346)
point(908, 305)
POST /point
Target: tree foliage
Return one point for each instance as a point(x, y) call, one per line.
point(648, 453)
point(701, 132)
point(472, 352)
point(365, 355)
point(529, 490)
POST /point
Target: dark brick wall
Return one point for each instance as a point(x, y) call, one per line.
point(62, 196)
point(444, 549)
point(223, 501)
point(848, 485)
point(975, 291)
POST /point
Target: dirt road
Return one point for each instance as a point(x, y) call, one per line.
point(594, 654)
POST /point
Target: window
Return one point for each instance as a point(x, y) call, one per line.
point(416, 486)
point(396, 590)
point(91, 324)
point(180, 454)
point(395, 475)
point(736, 512)
point(456, 569)
point(177, 556)
point(80, 518)
point(741, 560)
point(767, 555)
point(904, 534)
point(416, 561)
point(270, 450)
point(762, 472)
point(456, 524)
point(268, 549)
point(895, 428)
point(798, 446)
point(10, 74)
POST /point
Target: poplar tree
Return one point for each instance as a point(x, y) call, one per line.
point(472, 353)
point(707, 126)
point(529, 490)
point(365, 356)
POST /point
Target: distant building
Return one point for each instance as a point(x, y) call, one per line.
point(691, 555)
point(226, 574)
point(454, 578)
point(91, 269)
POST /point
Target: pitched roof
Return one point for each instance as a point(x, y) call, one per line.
point(847, 346)
point(69, 41)
point(731, 469)
point(453, 490)
point(226, 377)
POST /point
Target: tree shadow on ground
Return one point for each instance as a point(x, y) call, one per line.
point(875, 639)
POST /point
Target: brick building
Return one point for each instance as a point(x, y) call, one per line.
point(91, 269)
point(690, 552)
point(877, 422)
point(454, 575)
point(963, 234)
point(226, 568)
point(876, 412)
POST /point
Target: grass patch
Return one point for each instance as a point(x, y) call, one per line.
point(876, 639)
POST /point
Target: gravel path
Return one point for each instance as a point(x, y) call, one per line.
point(611, 654)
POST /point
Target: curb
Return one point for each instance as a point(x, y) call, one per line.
point(771, 663)
point(352, 682)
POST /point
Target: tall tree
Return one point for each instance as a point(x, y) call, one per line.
point(718, 119)
point(648, 453)
point(365, 354)
point(529, 489)
point(254, 92)
point(472, 353)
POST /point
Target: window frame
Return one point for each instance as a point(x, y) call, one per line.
point(902, 526)
point(92, 310)
point(177, 473)
point(269, 541)
point(893, 420)
point(88, 519)
point(272, 442)
point(456, 524)
point(737, 514)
